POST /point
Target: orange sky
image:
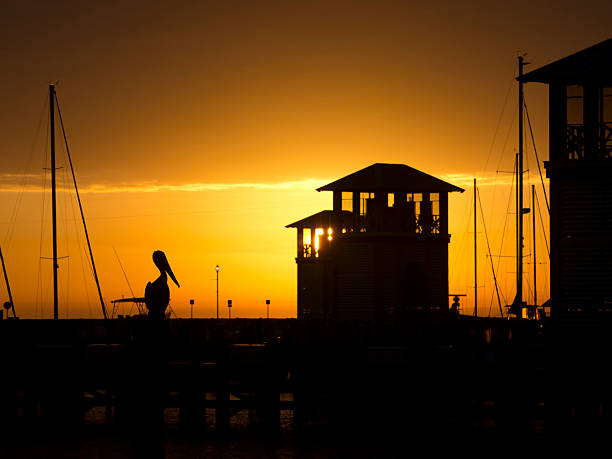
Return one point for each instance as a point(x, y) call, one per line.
point(202, 130)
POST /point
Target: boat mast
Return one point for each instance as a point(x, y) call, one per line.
point(53, 204)
point(475, 259)
point(519, 196)
point(533, 224)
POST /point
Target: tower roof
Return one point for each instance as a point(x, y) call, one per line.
point(591, 65)
point(390, 177)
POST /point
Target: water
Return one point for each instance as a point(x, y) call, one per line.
point(96, 439)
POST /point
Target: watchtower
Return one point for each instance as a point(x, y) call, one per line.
point(381, 252)
point(579, 169)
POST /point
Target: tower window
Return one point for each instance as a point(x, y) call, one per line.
point(307, 243)
point(347, 201)
point(605, 105)
point(363, 202)
point(605, 122)
point(575, 122)
point(318, 232)
point(575, 105)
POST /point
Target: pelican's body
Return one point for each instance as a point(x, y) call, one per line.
point(157, 293)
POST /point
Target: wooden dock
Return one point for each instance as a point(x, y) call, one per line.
point(436, 377)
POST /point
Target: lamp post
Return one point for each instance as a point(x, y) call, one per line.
point(191, 304)
point(229, 308)
point(217, 269)
point(267, 309)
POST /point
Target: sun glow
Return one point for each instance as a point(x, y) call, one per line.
point(318, 232)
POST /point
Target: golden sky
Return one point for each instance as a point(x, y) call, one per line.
point(203, 128)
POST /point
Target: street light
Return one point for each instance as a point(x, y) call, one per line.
point(267, 309)
point(217, 269)
point(229, 308)
point(191, 304)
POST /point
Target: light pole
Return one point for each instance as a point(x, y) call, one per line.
point(217, 269)
point(191, 304)
point(229, 308)
point(267, 309)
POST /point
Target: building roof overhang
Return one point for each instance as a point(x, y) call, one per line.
point(592, 65)
point(323, 219)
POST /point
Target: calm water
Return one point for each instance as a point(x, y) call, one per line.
point(96, 440)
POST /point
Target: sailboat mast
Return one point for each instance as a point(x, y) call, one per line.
point(519, 195)
point(53, 203)
point(475, 259)
point(533, 224)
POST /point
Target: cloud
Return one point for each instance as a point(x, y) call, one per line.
point(8, 184)
point(152, 187)
point(14, 176)
point(31, 183)
point(496, 179)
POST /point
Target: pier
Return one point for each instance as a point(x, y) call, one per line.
point(453, 376)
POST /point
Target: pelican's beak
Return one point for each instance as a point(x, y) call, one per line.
point(171, 274)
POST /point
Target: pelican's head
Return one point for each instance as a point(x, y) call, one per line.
point(160, 260)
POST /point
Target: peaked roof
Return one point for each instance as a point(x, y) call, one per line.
point(390, 177)
point(591, 65)
point(324, 219)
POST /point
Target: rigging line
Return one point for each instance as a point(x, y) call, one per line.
point(463, 239)
point(510, 131)
point(546, 286)
point(484, 226)
point(74, 220)
point(124, 274)
point(536, 155)
point(510, 86)
point(39, 286)
point(542, 224)
point(501, 245)
point(13, 218)
point(67, 302)
point(81, 209)
point(85, 279)
point(499, 162)
point(464, 234)
point(501, 155)
point(65, 221)
point(529, 287)
point(44, 295)
point(88, 264)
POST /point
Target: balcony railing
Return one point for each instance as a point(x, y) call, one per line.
point(575, 142)
point(424, 226)
point(605, 140)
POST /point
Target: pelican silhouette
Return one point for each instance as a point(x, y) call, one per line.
point(157, 293)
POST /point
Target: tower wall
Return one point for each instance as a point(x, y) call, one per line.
point(581, 227)
point(381, 277)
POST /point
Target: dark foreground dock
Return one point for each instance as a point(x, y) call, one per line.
point(410, 380)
